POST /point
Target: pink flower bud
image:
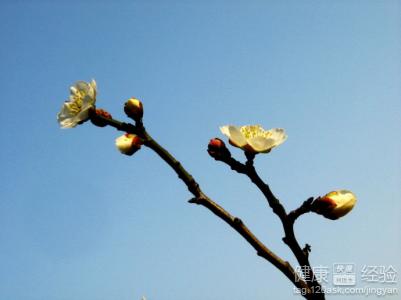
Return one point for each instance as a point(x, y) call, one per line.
point(134, 109)
point(217, 148)
point(128, 143)
point(335, 204)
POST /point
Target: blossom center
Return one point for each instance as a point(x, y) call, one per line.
point(77, 103)
point(252, 131)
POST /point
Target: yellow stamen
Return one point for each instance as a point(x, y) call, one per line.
point(252, 131)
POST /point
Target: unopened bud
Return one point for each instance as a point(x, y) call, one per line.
point(335, 204)
point(134, 109)
point(216, 148)
point(128, 143)
point(99, 121)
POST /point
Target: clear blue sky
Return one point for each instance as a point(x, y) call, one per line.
point(78, 220)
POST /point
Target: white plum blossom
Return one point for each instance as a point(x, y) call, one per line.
point(253, 138)
point(76, 110)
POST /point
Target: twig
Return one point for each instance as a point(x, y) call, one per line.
point(306, 207)
point(236, 223)
point(287, 220)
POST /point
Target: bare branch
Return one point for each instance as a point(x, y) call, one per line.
point(202, 199)
point(287, 220)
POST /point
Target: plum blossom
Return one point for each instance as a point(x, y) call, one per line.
point(253, 138)
point(76, 110)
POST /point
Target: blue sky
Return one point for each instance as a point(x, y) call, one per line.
point(78, 220)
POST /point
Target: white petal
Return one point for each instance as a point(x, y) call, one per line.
point(73, 90)
point(93, 89)
point(66, 122)
point(65, 117)
point(278, 135)
point(88, 100)
point(125, 144)
point(93, 84)
point(224, 130)
point(341, 211)
point(343, 197)
point(261, 144)
point(83, 115)
point(345, 200)
point(236, 137)
point(82, 86)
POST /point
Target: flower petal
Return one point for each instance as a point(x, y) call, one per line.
point(83, 115)
point(93, 84)
point(224, 130)
point(93, 89)
point(236, 137)
point(128, 143)
point(73, 90)
point(345, 200)
point(261, 144)
point(82, 86)
point(278, 135)
point(65, 116)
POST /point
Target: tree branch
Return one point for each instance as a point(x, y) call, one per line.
point(306, 207)
point(287, 220)
point(202, 199)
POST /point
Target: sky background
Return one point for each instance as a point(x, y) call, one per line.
point(78, 220)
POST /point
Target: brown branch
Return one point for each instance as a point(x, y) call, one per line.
point(287, 220)
point(306, 207)
point(202, 199)
point(249, 170)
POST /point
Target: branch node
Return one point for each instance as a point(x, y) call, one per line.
point(238, 221)
point(307, 249)
point(303, 209)
point(287, 263)
point(194, 200)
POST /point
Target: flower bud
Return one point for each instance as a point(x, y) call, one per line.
point(99, 121)
point(335, 204)
point(128, 143)
point(216, 148)
point(134, 109)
